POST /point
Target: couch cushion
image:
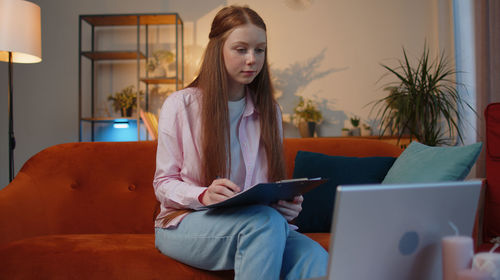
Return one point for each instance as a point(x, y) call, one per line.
point(420, 163)
point(322, 238)
point(94, 256)
point(335, 146)
point(100, 256)
point(73, 188)
point(318, 205)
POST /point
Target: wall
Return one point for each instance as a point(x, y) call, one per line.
point(329, 52)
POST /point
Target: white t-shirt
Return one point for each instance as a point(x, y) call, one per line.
point(236, 109)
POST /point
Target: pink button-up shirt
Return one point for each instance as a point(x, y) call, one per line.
point(177, 179)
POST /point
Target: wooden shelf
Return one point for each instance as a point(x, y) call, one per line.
point(160, 80)
point(111, 20)
point(107, 119)
point(113, 55)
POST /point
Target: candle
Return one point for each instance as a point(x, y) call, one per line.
point(488, 262)
point(457, 255)
point(470, 274)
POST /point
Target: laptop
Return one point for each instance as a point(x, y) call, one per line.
point(382, 232)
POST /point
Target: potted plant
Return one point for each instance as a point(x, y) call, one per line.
point(422, 101)
point(307, 115)
point(366, 130)
point(346, 132)
point(125, 100)
point(158, 62)
point(355, 131)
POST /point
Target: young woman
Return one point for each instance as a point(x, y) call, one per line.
point(219, 136)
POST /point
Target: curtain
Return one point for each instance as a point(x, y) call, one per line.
point(487, 35)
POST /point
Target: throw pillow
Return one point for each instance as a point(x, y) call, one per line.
point(318, 205)
point(420, 163)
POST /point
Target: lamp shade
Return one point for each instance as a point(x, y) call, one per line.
point(20, 31)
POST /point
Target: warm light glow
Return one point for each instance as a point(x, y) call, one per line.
point(120, 123)
point(20, 31)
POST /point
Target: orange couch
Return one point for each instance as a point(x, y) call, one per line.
point(85, 211)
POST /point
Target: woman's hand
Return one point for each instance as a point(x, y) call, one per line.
point(289, 209)
point(219, 190)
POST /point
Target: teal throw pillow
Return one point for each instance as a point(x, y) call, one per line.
point(318, 205)
point(420, 163)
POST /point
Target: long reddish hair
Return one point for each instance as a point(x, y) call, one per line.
point(212, 80)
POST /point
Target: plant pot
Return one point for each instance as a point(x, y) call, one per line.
point(126, 112)
point(346, 133)
point(159, 71)
point(356, 131)
point(311, 126)
point(307, 129)
point(366, 132)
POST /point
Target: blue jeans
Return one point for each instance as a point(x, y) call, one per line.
point(255, 241)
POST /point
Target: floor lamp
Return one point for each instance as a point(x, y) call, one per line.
point(20, 42)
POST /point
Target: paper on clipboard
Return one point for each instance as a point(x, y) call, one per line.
point(267, 193)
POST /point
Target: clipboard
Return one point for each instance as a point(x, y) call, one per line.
point(267, 193)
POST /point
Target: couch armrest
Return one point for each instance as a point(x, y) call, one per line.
point(18, 218)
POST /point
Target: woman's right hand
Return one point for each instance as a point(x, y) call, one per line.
point(219, 190)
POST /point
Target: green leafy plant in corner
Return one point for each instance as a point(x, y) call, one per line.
point(307, 111)
point(125, 100)
point(424, 101)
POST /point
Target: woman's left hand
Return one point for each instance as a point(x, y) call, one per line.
point(289, 209)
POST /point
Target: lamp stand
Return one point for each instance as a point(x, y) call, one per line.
point(12, 139)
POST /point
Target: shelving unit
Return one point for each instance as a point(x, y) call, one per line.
point(115, 55)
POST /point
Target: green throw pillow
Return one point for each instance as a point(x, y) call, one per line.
point(318, 205)
point(420, 163)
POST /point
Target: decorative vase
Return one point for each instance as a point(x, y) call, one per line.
point(356, 131)
point(159, 71)
point(311, 127)
point(366, 131)
point(305, 129)
point(126, 112)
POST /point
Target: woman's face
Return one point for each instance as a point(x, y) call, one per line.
point(244, 53)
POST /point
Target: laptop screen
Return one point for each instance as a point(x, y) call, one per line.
point(394, 231)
